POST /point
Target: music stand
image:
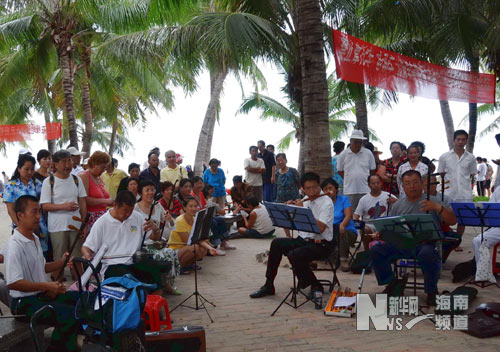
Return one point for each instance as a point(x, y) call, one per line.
point(294, 218)
point(196, 236)
point(408, 231)
point(480, 214)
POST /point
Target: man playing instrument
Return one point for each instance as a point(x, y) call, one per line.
point(122, 229)
point(307, 246)
point(426, 253)
point(26, 272)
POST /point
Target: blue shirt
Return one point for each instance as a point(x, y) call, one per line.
point(341, 203)
point(217, 181)
point(15, 189)
point(335, 171)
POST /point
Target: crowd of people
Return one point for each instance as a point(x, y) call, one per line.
point(154, 208)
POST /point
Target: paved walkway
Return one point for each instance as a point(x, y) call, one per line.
point(243, 324)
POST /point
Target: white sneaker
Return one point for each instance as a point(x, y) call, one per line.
point(220, 252)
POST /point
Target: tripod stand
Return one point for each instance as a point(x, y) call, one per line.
point(293, 218)
point(198, 235)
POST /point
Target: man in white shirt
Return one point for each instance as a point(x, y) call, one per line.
point(372, 206)
point(63, 196)
point(76, 158)
point(458, 166)
point(122, 230)
point(254, 168)
point(161, 163)
point(307, 246)
point(481, 175)
point(354, 165)
point(490, 236)
point(26, 272)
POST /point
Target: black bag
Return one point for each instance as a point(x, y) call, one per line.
point(463, 270)
point(482, 326)
point(360, 262)
point(187, 338)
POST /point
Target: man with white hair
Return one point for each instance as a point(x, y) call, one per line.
point(354, 165)
point(172, 171)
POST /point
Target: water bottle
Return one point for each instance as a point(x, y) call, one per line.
point(318, 299)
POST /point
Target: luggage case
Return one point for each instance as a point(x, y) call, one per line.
point(184, 339)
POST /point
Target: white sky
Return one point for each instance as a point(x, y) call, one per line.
point(410, 120)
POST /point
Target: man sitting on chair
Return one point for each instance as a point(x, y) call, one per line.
point(307, 246)
point(415, 202)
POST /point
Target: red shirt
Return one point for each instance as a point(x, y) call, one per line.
point(201, 200)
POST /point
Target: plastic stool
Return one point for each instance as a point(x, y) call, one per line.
point(494, 266)
point(151, 314)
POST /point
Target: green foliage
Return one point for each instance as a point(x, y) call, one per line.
point(481, 199)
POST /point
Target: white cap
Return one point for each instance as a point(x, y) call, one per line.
point(357, 134)
point(24, 151)
point(74, 151)
point(86, 161)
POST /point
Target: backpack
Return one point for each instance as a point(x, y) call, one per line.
point(123, 301)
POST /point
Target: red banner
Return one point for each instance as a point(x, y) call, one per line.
point(361, 62)
point(20, 133)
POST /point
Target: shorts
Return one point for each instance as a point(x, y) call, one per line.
point(487, 184)
point(61, 242)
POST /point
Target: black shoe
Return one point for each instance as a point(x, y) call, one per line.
point(263, 291)
point(431, 299)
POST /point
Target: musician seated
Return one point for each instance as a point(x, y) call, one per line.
point(415, 202)
point(26, 271)
point(490, 236)
point(122, 230)
point(306, 247)
point(179, 237)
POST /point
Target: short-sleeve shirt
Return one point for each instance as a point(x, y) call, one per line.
point(217, 181)
point(322, 209)
point(341, 203)
point(65, 191)
point(122, 238)
point(112, 181)
point(181, 225)
point(286, 185)
point(403, 206)
point(24, 260)
point(254, 179)
point(269, 162)
point(370, 207)
point(157, 217)
point(147, 174)
point(172, 175)
point(458, 171)
point(176, 206)
point(356, 168)
point(481, 171)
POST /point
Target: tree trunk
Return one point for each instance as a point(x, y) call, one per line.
point(301, 138)
point(317, 156)
point(86, 106)
point(66, 62)
point(448, 121)
point(112, 139)
point(362, 116)
point(474, 67)
point(205, 139)
point(51, 143)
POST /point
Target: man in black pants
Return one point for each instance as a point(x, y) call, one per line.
point(307, 246)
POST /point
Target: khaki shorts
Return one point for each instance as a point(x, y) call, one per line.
point(62, 241)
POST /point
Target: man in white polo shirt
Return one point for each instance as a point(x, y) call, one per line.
point(122, 230)
point(26, 272)
point(355, 164)
point(307, 246)
point(63, 196)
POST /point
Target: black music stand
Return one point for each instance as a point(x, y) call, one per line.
point(408, 231)
point(480, 214)
point(294, 218)
point(196, 236)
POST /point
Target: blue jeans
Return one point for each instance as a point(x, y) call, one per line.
point(268, 190)
point(219, 230)
point(383, 254)
point(251, 233)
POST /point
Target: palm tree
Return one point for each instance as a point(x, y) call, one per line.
point(317, 155)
